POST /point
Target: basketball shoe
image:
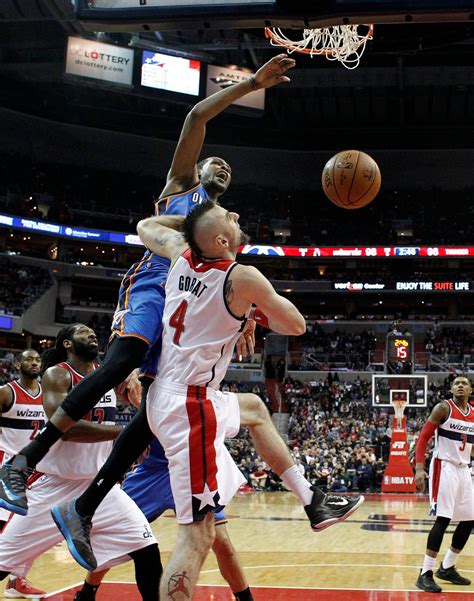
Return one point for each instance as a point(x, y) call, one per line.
point(426, 583)
point(76, 530)
point(326, 510)
point(451, 575)
point(21, 588)
point(13, 478)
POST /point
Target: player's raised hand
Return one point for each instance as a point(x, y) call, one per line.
point(272, 73)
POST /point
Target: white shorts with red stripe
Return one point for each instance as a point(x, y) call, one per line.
point(451, 491)
point(119, 526)
point(191, 423)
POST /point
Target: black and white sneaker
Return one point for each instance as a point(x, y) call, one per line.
point(13, 480)
point(451, 575)
point(327, 510)
point(426, 583)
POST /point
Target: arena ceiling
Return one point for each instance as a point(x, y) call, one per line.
point(414, 88)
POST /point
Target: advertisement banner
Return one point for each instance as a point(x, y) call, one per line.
point(398, 476)
point(170, 73)
point(93, 235)
point(89, 58)
point(219, 78)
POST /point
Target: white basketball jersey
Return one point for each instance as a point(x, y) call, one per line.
point(199, 332)
point(455, 437)
point(79, 460)
point(22, 421)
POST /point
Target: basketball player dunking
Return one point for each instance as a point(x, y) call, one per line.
point(208, 298)
point(22, 416)
point(137, 323)
point(120, 530)
point(323, 511)
point(451, 490)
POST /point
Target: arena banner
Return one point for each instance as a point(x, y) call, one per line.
point(327, 252)
point(398, 476)
point(89, 58)
point(405, 286)
point(219, 78)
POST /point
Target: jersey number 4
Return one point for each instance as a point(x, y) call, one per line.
point(177, 321)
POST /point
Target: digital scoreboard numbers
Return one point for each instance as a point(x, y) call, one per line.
point(400, 353)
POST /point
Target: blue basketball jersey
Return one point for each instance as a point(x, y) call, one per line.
point(141, 296)
point(181, 203)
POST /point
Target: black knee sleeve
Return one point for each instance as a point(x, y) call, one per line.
point(461, 535)
point(3, 575)
point(148, 571)
point(123, 356)
point(435, 537)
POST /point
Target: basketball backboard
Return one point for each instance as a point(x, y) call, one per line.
point(387, 388)
point(149, 15)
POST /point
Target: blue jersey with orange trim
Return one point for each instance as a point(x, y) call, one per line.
point(151, 271)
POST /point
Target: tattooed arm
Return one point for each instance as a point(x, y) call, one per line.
point(162, 235)
point(247, 285)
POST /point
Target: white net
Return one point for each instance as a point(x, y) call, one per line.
point(399, 407)
point(343, 43)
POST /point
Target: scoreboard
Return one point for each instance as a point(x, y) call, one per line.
point(399, 353)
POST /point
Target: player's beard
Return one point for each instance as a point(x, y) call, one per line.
point(29, 375)
point(84, 351)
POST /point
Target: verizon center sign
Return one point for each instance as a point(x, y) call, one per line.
point(220, 78)
point(88, 58)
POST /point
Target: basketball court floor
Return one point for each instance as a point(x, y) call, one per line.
point(373, 556)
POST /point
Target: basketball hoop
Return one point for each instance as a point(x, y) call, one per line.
point(341, 43)
point(399, 407)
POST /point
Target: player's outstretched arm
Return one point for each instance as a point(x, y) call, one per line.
point(437, 416)
point(162, 235)
point(56, 383)
point(248, 286)
point(183, 171)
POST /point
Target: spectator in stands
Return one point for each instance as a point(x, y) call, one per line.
point(364, 475)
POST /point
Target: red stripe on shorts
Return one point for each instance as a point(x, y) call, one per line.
point(202, 434)
point(436, 479)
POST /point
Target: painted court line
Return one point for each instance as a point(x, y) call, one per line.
point(328, 565)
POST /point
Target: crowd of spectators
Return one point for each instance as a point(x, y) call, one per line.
point(450, 342)
point(116, 200)
point(21, 286)
point(8, 370)
point(340, 442)
point(322, 349)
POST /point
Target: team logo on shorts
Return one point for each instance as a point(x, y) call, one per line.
point(147, 532)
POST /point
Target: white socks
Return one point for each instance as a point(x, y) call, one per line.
point(428, 564)
point(298, 484)
point(450, 559)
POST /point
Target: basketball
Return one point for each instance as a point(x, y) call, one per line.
point(351, 179)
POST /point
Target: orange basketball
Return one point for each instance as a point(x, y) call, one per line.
point(351, 179)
